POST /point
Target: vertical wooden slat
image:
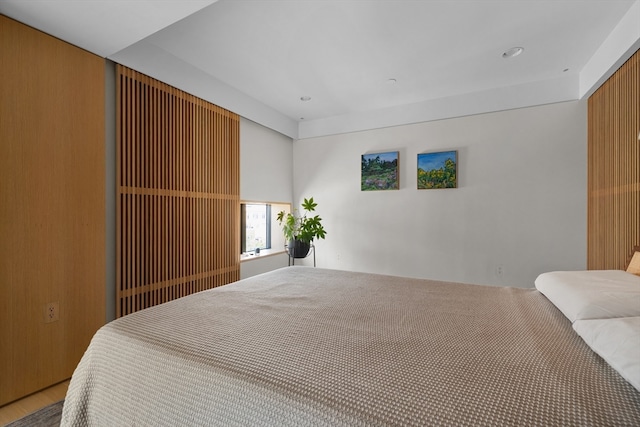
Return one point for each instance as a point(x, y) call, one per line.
point(613, 218)
point(173, 164)
point(134, 183)
point(152, 201)
point(128, 219)
point(168, 171)
point(119, 169)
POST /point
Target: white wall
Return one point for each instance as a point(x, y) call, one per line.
point(266, 160)
point(266, 174)
point(520, 202)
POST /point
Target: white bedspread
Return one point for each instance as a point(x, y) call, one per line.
point(311, 347)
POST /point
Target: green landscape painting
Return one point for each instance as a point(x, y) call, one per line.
point(437, 170)
point(380, 171)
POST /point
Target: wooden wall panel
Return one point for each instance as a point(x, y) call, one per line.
point(614, 169)
point(52, 207)
point(178, 193)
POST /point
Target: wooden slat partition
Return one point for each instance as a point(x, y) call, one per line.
point(614, 169)
point(178, 172)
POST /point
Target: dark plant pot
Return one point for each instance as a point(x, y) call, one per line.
point(298, 249)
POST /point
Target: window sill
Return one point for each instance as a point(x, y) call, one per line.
point(263, 254)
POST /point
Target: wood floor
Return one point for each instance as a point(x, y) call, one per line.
point(25, 406)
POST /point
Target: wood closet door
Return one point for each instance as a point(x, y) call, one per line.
point(52, 207)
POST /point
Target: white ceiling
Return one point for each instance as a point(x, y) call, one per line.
point(258, 58)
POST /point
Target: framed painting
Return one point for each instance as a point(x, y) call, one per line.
point(379, 171)
point(438, 170)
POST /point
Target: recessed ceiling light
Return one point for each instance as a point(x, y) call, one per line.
point(305, 98)
point(392, 81)
point(514, 51)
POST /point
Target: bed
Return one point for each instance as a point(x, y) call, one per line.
point(304, 346)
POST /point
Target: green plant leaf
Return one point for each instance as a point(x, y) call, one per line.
point(301, 227)
point(309, 205)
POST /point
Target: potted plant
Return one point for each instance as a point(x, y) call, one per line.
point(301, 229)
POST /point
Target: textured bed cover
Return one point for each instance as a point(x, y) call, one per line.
point(303, 346)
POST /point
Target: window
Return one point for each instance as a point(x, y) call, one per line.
point(259, 227)
point(255, 226)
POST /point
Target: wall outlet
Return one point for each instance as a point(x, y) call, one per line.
point(499, 270)
point(52, 312)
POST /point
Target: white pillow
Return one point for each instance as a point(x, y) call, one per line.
point(617, 341)
point(593, 294)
